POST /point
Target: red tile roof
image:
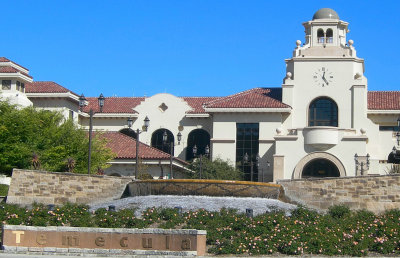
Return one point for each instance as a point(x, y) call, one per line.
point(46, 87)
point(10, 69)
point(384, 100)
point(197, 103)
point(253, 98)
point(114, 104)
point(125, 148)
point(4, 59)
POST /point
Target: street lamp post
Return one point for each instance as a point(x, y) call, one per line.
point(138, 132)
point(82, 103)
point(206, 153)
point(398, 132)
point(361, 165)
point(246, 160)
point(171, 145)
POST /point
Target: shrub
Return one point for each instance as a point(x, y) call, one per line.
point(338, 211)
point(4, 190)
point(145, 176)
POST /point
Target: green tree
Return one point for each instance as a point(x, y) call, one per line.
point(34, 137)
point(215, 169)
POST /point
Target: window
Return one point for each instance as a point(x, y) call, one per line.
point(6, 85)
point(393, 128)
point(71, 115)
point(18, 86)
point(323, 112)
point(329, 36)
point(22, 87)
point(320, 36)
point(247, 135)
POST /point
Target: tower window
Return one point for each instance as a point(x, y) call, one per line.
point(323, 112)
point(320, 36)
point(329, 36)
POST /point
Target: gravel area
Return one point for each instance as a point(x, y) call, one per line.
point(259, 205)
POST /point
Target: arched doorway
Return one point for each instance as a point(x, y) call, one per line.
point(315, 156)
point(129, 132)
point(157, 141)
point(320, 168)
point(200, 138)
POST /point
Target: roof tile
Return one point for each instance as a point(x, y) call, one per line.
point(46, 87)
point(197, 103)
point(114, 104)
point(125, 148)
point(384, 100)
point(253, 98)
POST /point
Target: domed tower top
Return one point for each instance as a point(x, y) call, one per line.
point(325, 30)
point(326, 13)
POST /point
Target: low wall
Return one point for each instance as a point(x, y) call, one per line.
point(204, 187)
point(28, 186)
point(374, 193)
point(110, 241)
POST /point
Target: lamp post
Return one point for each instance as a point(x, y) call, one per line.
point(246, 160)
point(171, 146)
point(82, 103)
point(361, 165)
point(206, 153)
point(398, 132)
point(138, 132)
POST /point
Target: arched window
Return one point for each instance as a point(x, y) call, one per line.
point(157, 141)
point(200, 138)
point(320, 36)
point(129, 132)
point(323, 112)
point(329, 36)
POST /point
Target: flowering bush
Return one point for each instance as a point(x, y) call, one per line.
point(339, 232)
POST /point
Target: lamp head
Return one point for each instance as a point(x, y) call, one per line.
point(179, 136)
point(146, 124)
point(246, 157)
point(165, 137)
point(130, 122)
point(82, 101)
point(101, 99)
point(207, 150)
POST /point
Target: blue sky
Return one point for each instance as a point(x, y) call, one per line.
point(186, 47)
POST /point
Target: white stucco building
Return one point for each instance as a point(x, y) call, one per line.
point(310, 126)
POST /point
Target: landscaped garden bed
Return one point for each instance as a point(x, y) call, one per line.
point(339, 232)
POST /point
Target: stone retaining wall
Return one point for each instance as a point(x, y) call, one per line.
point(28, 186)
point(374, 193)
point(204, 187)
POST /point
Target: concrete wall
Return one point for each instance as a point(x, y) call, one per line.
point(28, 186)
point(374, 193)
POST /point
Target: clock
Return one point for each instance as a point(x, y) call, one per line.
point(323, 77)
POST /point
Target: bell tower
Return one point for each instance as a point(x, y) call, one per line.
point(325, 29)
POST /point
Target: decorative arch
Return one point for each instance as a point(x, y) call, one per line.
point(200, 138)
point(129, 132)
point(329, 36)
point(320, 36)
point(157, 140)
point(323, 111)
point(298, 170)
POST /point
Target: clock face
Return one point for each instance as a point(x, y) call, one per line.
point(323, 77)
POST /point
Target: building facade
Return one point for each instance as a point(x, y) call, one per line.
point(321, 122)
